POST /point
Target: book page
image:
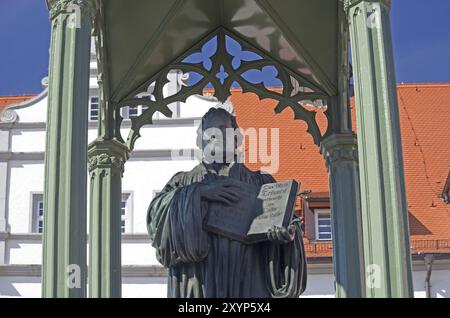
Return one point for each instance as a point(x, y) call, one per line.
point(275, 197)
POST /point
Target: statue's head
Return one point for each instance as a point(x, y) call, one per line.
point(219, 136)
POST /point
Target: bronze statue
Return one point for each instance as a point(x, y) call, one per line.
point(205, 264)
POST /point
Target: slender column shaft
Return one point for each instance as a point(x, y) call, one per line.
point(107, 156)
point(64, 243)
point(384, 210)
point(106, 161)
point(340, 152)
point(3, 209)
point(5, 147)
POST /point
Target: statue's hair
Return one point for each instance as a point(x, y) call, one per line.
point(215, 111)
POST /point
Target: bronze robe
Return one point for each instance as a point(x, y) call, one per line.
point(203, 264)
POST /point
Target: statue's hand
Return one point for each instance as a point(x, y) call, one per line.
point(223, 191)
point(281, 235)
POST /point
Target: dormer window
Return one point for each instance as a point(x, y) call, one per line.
point(323, 224)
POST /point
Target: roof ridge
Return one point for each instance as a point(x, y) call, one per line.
point(437, 84)
point(17, 96)
point(399, 85)
point(209, 89)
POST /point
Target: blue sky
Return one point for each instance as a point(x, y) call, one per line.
point(421, 36)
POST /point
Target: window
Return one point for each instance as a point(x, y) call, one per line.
point(93, 108)
point(37, 222)
point(323, 225)
point(132, 112)
point(126, 212)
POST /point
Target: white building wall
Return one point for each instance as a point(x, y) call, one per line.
point(24, 251)
point(164, 137)
point(26, 178)
point(195, 106)
point(20, 286)
point(138, 252)
point(30, 140)
point(143, 178)
point(36, 113)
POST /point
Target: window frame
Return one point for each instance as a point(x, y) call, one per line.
point(128, 212)
point(137, 109)
point(36, 197)
point(317, 213)
point(90, 107)
point(125, 111)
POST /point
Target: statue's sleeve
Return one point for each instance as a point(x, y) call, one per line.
point(286, 262)
point(175, 224)
point(287, 267)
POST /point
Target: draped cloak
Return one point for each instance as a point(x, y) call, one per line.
point(204, 264)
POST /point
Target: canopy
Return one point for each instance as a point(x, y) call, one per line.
point(144, 37)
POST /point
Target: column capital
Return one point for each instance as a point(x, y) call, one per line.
point(107, 154)
point(106, 164)
point(339, 147)
point(83, 7)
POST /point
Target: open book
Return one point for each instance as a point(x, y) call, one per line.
point(258, 210)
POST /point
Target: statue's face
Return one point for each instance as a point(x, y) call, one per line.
point(218, 142)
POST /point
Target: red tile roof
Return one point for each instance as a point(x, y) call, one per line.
point(425, 126)
point(299, 156)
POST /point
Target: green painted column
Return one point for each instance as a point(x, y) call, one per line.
point(64, 243)
point(106, 164)
point(383, 200)
point(341, 157)
point(107, 157)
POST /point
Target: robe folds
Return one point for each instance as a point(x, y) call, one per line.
point(204, 264)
